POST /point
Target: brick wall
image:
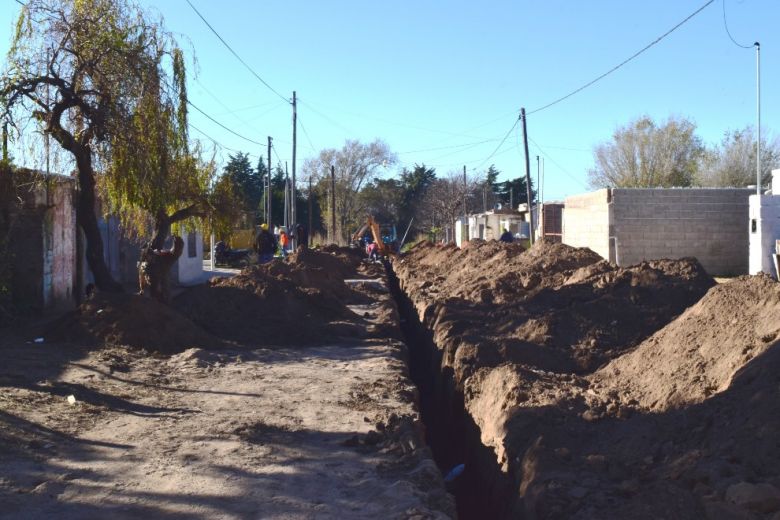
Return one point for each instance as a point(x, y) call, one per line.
point(586, 220)
point(706, 223)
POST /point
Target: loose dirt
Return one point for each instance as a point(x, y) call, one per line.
point(622, 403)
point(121, 426)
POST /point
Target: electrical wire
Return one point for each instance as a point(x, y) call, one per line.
point(564, 170)
point(220, 145)
point(255, 74)
point(306, 134)
point(616, 67)
point(449, 147)
point(500, 144)
point(726, 26)
point(21, 3)
point(223, 126)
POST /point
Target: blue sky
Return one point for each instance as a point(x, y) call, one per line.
point(433, 78)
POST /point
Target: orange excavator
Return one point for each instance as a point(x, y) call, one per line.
point(386, 244)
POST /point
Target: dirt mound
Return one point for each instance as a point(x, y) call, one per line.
point(698, 354)
point(132, 320)
point(553, 307)
point(291, 302)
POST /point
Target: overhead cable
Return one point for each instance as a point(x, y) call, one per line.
point(499, 144)
point(726, 26)
point(250, 69)
point(619, 65)
point(570, 175)
point(223, 126)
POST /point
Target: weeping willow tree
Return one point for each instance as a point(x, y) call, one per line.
point(108, 84)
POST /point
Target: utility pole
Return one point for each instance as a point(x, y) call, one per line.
point(465, 188)
point(5, 142)
point(758, 118)
point(294, 150)
point(269, 194)
point(528, 177)
point(333, 203)
point(511, 198)
point(484, 199)
point(308, 234)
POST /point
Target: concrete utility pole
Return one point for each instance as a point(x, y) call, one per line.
point(758, 118)
point(333, 203)
point(465, 188)
point(528, 177)
point(511, 198)
point(269, 193)
point(294, 151)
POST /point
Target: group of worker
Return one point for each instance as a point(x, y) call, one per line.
point(266, 242)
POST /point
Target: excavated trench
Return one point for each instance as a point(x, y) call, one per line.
point(482, 490)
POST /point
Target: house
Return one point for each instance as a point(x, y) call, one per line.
point(764, 229)
point(489, 225)
point(628, 225)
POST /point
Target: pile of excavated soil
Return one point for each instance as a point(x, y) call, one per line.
point(553, 307)
point(131, 320)
point(698, 354)
point(681, 420)
point(292, 302)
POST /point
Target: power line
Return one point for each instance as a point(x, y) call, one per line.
point(616, 67)
point(306, 133)
point(223, 126)
point(449, 147)
point(217, 143)
point(255, 74)
point(726, 26)
point(500, 144)
point(564, 170)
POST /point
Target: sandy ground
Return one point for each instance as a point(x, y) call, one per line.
point(330, 431)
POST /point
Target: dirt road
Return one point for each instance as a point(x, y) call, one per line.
point(329, 431)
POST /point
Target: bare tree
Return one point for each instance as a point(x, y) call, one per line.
point(732, 163)
point(644, 154)
point(443, 202)
point(356, 164)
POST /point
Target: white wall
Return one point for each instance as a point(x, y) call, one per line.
point(189, 269)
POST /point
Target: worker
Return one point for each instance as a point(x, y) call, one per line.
point(302, 235)
point(265, 245)
point(284, 241)
point(506, 236)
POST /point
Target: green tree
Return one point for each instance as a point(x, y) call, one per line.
point(84, 70)
point(644, 154)
point(414, 184)
point(515, 190)
point(249, 184)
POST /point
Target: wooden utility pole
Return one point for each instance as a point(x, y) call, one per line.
point(308, 229)
point(528, 177)
point(333, 203)
point(269, 191)
point(5, 142)
point(294, 151)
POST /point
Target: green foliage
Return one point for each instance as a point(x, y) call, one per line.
point(732, 162)
point(248, 181)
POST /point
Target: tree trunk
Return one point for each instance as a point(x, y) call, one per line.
point(87, 220)
point(155, 265)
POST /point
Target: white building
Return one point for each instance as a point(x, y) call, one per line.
point(765, 229)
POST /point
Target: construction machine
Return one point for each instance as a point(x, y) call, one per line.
point(384, 237)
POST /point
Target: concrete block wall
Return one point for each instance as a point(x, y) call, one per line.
point(586, 222)
point(710, 224)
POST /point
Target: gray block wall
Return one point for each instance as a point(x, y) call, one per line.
point(628, 225)
point(710, 224)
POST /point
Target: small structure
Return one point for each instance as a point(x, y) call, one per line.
point(489, 225)
point(764, 228)
point(628, 225)
point(43, 242)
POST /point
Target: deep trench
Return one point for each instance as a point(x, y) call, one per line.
point(482, 490)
